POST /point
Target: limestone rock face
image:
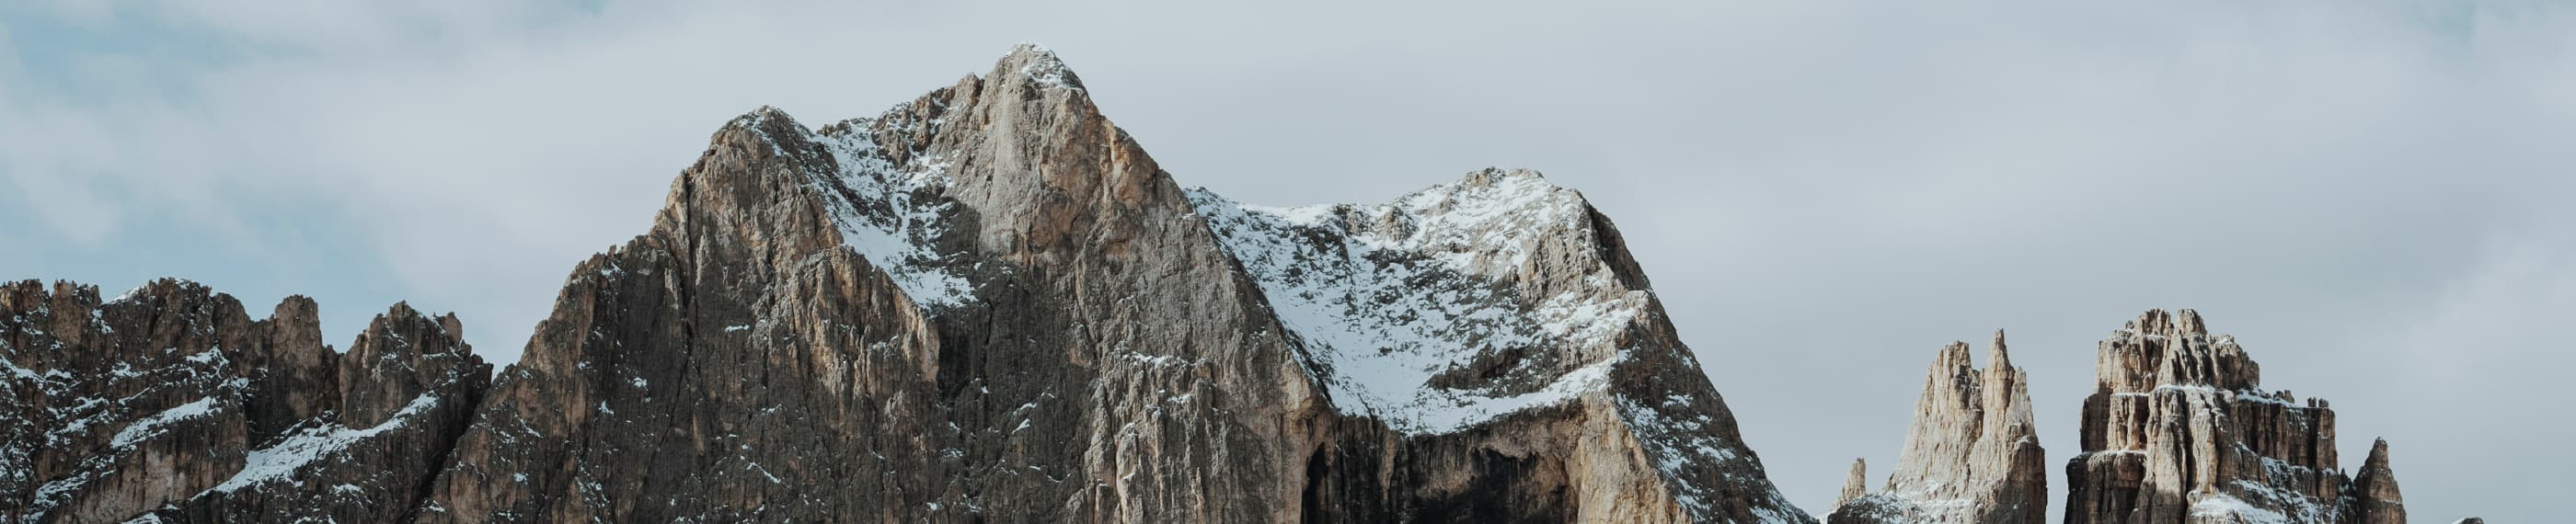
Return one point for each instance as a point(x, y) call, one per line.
point(1855, 486)
point(2178, 430)
point(1973, 454)
point(990, 303)
point(170, 402)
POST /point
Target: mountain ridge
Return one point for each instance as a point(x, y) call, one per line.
point(990, 303)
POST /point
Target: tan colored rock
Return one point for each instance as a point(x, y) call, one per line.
point(2178, 430)
point(1973, 454)
point(2374, 489)
point(1855, 486)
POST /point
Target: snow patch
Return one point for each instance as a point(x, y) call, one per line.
point(289, 456)
point(2219, 505)
point(891, 214)
point(150, 426)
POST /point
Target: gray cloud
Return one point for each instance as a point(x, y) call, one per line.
point(2365, 193)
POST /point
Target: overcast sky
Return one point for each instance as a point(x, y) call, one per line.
point(2370, 194)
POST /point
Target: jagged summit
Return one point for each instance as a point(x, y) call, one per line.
point(2376, 498)
point(990, 304)
point(1431, 311)
point(170, 403)
point(1038, 64)
point(2179, 430)
point(1972, 454)
point(1488, 303)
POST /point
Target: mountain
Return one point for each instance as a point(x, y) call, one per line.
point(1973, 455)
point(2178, 429)
point(987, 303)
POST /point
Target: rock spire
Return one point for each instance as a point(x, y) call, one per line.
point(1973, 453)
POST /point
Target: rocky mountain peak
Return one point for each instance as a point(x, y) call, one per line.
point(997, 273)
point(1037, 65)
point(989, 303)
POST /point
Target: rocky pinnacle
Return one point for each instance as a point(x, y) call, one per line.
point(1973, 453)
point(1856, 485)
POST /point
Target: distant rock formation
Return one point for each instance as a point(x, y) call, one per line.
point(1972, 456)
point(170, 403)
point(1855, 486)
point(2178, 430)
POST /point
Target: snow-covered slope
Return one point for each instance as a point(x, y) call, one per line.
point(1392, 299)
point(1500, 294)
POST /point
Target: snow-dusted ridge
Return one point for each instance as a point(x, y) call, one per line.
point(891, 214)
point(1045, 68)
point(1390, 298)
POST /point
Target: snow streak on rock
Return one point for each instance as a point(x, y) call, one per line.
point(891, 214)
point(285, 459)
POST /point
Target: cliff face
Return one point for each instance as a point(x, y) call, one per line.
point(169, 402)
point(2178, 430)
point(1973, 453)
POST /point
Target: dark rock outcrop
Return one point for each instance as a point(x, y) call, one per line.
point(1972, 456)
point(170, 402)
point(2178, 430)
